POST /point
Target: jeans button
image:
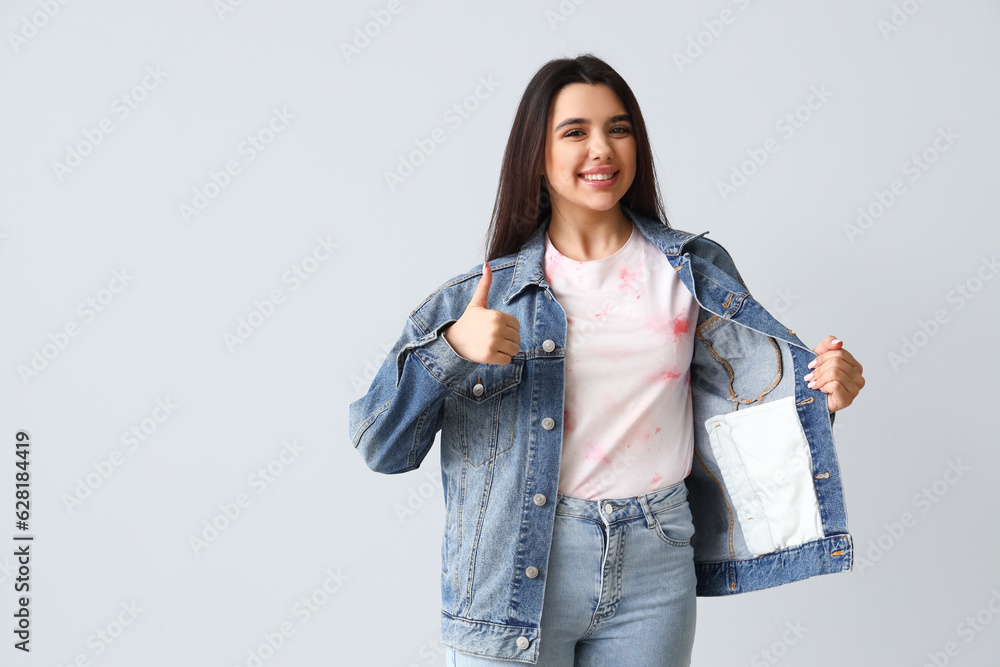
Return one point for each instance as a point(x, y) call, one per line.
point(522, 642)
point(548, 423)
point(531, 571)
point(478, 389)
point(549, 345)
point(608, 509)
point(539, 499)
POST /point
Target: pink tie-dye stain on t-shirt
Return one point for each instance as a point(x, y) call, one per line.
point(664, 376)
point(676, 326)
point(628, 282)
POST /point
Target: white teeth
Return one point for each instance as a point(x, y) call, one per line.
point(598, 177)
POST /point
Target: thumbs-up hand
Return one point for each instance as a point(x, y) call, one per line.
point(483, 335)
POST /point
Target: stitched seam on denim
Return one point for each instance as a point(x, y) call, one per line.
point(619, 570)
point(516, 365)
point(460, 279)
point(711, 323)
point(458, 559)
point(371, 420)
point(664, 509)
point(576, 516)
point(475, 543)
point(722, 493)
point(606, 535)
point(411, 461)
point(666, 538)
point(493, 435)
point(722, 288)
point(476, 621)
point(784, 553)
point(431, 371)
point(513, 430)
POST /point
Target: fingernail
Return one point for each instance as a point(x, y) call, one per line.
point(807, 377)
point(812, 384)
point(812, 364)
point(835, 341)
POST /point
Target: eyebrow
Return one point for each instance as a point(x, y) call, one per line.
point(586, 121)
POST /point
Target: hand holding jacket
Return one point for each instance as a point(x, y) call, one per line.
point(836, 373)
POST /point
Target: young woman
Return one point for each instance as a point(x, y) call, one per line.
point(600, 370)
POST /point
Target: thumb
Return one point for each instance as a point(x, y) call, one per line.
point(483, 288)
point(828, 343)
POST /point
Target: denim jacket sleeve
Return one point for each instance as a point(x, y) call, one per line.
point(393, 425)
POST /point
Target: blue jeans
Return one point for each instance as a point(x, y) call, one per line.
point(620, 585)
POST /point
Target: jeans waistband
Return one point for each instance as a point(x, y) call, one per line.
point(611, 510)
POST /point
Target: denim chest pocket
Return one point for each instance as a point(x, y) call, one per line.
point(487, 409)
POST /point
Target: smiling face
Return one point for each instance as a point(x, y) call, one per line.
point(589, 150)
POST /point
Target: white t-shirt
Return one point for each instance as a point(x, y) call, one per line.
point(627, 426)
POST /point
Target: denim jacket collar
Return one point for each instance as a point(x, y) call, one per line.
point(528, 269)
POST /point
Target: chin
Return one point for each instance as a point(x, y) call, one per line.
point(604, 205)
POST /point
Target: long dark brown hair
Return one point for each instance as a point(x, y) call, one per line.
point(523, 201)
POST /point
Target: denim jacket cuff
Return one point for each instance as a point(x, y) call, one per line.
point(441, 359)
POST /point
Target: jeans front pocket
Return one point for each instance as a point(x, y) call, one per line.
point(674, 524)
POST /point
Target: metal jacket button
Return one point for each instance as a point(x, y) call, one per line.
point(548, 423)
point(522, 642)
point(478, 389)
point(531, 571)
point(549, 345)
point(539, 499)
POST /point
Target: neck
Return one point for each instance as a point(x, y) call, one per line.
point(585, 234)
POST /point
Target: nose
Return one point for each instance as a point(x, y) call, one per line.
point(600, 146)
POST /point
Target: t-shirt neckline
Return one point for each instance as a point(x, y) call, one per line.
point(601, 262)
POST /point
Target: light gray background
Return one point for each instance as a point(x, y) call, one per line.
point(161, 337)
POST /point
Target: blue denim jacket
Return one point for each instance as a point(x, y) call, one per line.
point(764, 490)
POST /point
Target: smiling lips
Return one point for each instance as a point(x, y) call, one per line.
point(600, 177)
